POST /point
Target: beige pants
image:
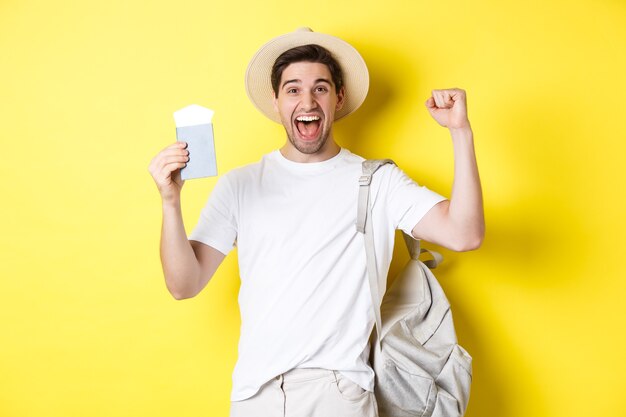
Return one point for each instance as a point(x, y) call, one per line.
point(308, 393)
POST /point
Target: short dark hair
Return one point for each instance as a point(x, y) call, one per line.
point(306, 53)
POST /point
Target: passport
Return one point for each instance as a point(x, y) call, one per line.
point(194, 126)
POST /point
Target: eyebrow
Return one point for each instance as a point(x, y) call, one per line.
point(297, 81)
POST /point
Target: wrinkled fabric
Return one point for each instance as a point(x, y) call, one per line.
point(420, 368)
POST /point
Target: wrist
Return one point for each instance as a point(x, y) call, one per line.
point(171, 203)
point(464, 132)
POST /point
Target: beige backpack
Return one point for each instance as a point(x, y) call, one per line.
point(420, 368)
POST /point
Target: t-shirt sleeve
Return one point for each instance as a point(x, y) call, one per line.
point(217, 226)
point(408, 201)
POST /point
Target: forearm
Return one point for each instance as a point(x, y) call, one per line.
point(466, 202)
point(180, 265)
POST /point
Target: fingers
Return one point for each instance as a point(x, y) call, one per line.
point(170, 159)
point(175, 148)
point(445, 99)
point(176, 152)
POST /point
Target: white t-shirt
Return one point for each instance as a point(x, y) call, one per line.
point(304, 296)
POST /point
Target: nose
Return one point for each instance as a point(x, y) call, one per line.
point(308, 102)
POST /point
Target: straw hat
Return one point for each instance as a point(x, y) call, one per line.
point(258, 74)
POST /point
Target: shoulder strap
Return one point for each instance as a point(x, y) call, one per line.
point(369, 167)
point(364, 226)
point(364, 213)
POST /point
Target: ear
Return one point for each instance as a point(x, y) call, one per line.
point(341, 98)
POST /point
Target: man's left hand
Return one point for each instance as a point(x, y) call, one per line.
point(449, 108)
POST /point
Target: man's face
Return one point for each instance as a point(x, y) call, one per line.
point(307, 103)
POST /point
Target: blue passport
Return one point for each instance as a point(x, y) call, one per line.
point(201, 147)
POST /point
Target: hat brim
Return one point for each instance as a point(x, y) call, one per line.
point(258, 74)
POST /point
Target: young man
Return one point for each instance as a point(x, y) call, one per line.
point(304, 298)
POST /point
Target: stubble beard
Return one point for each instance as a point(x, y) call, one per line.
point(308, 148)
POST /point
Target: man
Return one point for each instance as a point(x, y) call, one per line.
point(304, 298)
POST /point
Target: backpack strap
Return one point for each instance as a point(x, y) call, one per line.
point(413, 245)
point(369, 167)
point(364, 213)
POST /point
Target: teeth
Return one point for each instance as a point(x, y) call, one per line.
point(307, 118)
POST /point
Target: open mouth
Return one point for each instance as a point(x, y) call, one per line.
point(308, 126)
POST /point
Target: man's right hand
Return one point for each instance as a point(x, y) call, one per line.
point(165, 170)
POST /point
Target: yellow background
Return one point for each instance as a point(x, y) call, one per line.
point(87, 91)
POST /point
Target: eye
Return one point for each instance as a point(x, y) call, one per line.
point(292, 90)
point(321, 89)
